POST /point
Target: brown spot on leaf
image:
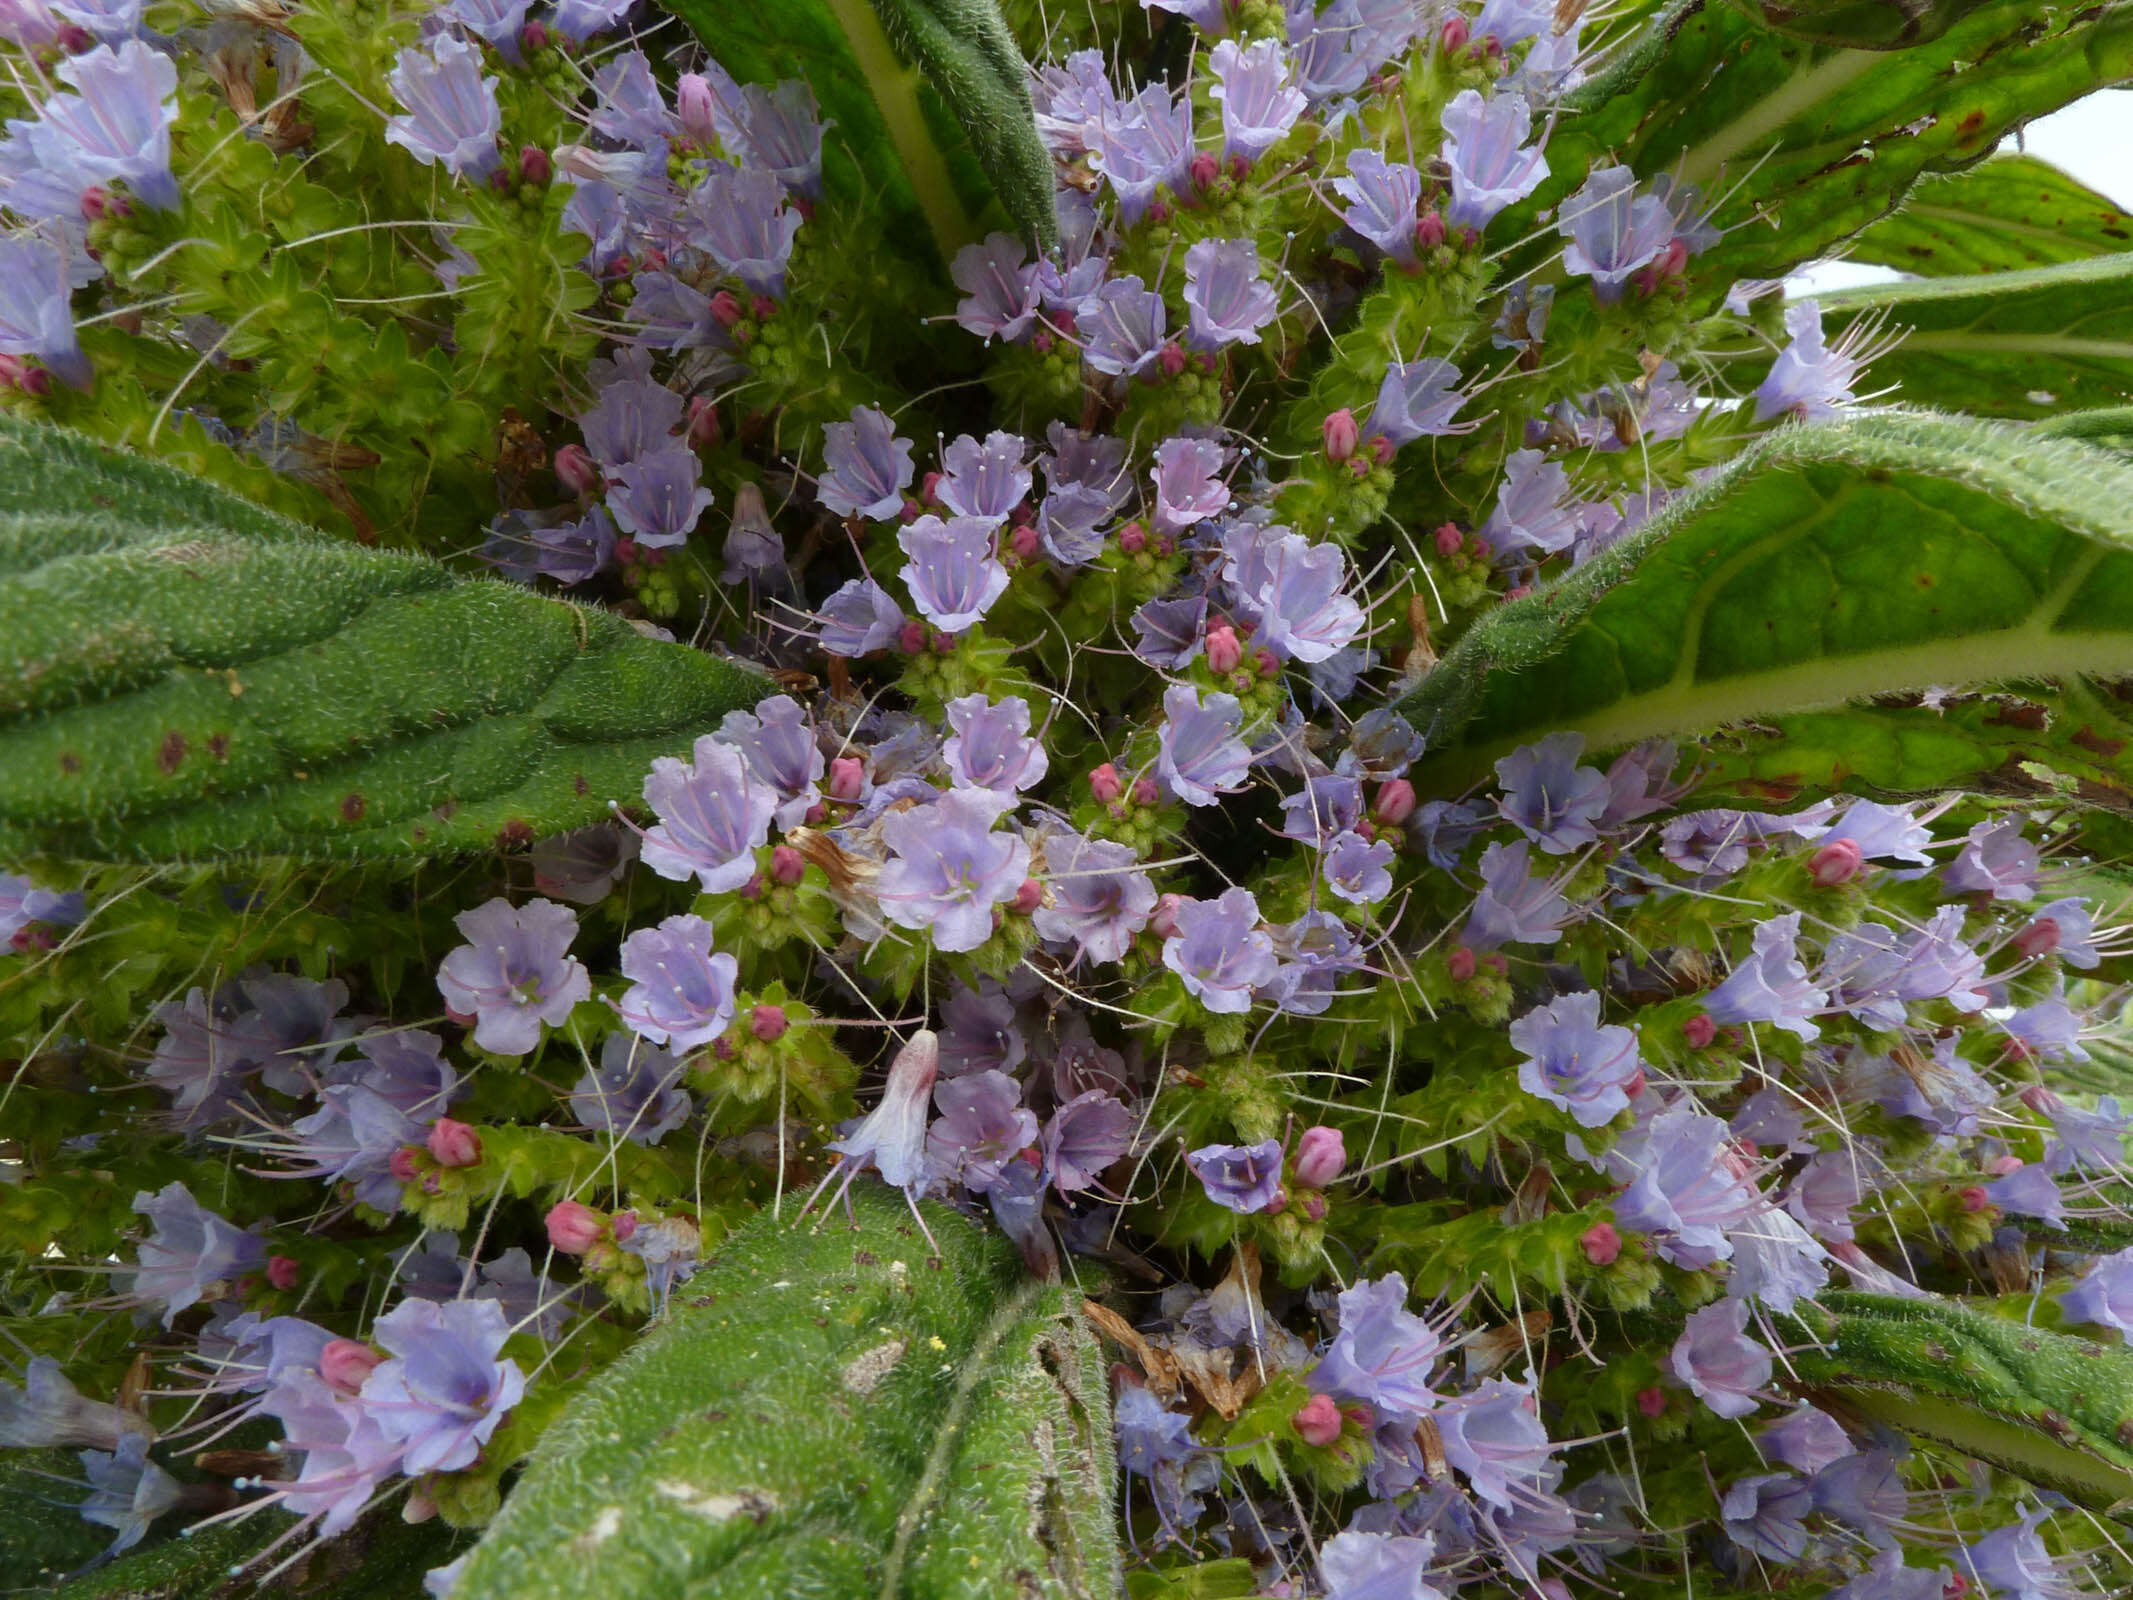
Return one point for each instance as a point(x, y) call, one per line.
point(69, 762)
point(352, 807)
point(2089, 739)
point(218, 746)
point(170, 754)
point(516, 834)
point(580, 786)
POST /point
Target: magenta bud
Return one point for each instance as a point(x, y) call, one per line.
point(1460, 963)
point(1453, 38)
point(911, 637)
point(764, 307)
point(533, 38)
point(1024, 542)
point(1204, 168)
point(574, 1228)
point(2001, 1166)
point(625, 1225)
point(1340, 435)
point(1973, 1198)
point(1132, 538)
point(401, 1164)
point(726, 308)
point(1223, 650)
point(345, 1363)
point(847, 778)
point(1836, 862)
point(1320, 1155)
point(1313, 1206)
point(284, 1271)
point(35, 381)
point(1172, 359)
point(628, 551)
point(1105, 784)
point(929, 488)
point(500, 180)
point(1319, 1421)
point(943, 644)
point(534, 167)
point(75, 40)
point(1145, 793)
point(703, 421)
point(1699, 1030)
point(11, 370)
point(1396, 802)
point(768, 1023)
point(1601, 1244)
point(576, 470)
point(1651, 1402)
point(1164, 923)
point(692, 103)
point(1027, 898)
point(95, 202)
point(2039, 1099)
point(1449, 540)
point(787, 865)
point(1429, 230)
point(2040, 938)
point(752, 890)
point(453, 1143)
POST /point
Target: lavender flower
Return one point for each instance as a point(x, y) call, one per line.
point(1686, 1186)
point(1358, 870)
point(1810, 379)
point(1574, 1062)
point(345, 1450)
point(953, 575)
point(631, 419)
point(1170, 632)
point(1887, 1578)
point(986, 481)
point(1188, 482)
point(1529, 511)
point(1882, 833)
point(1995, 860)
point(1612, 230)
point(999, 284)
point(1805, 1439)
point(867, 466)
point(515, 972)
point(1417, 398)
point(634, 1093)
point(2104, 1294)
point(1765, 1515)
point(1776, 1262)
point(1070, 524)
point(1383, 1354)
point(948, 869)
point(738, 217)
point(657, 498)
point(406, 1067)
point(445, 1390)
point(573, 552)
point(1494, 1437)
point(1722, 1366)
point(496, 23)
point(1864, 1490)
point(1771, 985)
point(1083, 1137)
point(860, 618)
point(580, 20)
point(682, 993)
point(1228, 299)
point(1550, 798)
point(36, 313)
point(1874, 973)
point(991, 747)
point(778, 742)
point(28, 23)
point(779, 129)
point(2029, 1191)
point(1221, 951)
point(352, 1139)
point(127, 1491)
point(1305, 612)
point(1199, 756)
point(1122, 328)
point(1099, 899)
point(116, 128)
point(1205, 14)
point(713, 817)
point(1239, 1177)
point(192, 1255)
point(1315, 950)
point(1259, 106)
point(982, 1127)
point(1484, 145)
point(1329, 805)
point(893, 1134)
point(48, 1410)
point(1360, 1565)
point(452, 112)
point(1142, 146)
point(2063, 928)
point(1513, 907)
point(1384, 199)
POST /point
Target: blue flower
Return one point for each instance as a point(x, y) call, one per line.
point(444, 1393)
point(1686, 1186)
point(953, 575)
point(893, 1134)
point(1417, 398)
point(1573, 1061)
point(1198, 754)
point(1358, 870)
point(982, 1126)
point(48, 1410)
point(635, 1093)
point(948, 869)
point(1771, 985)
point(191, 1254)
point(1811, 378)
point(1995, 860)
point(37, 318)
point(867, 467)
point(1384, 199)
point(1083, 1137)
point(1143, 145)
point(1259, 105)
point(1765, 1514)
point(1722, 1366)
point(1361, 1565)
point(1529, 511)
point(999, 284)
point(739, 218)
point(116, 128)
point(496, 23)
point(1188, 482)
point(657, 498)
point(681, 992)
point(515, 972)
point(860, 618)
point(1612, 230)
point(1513, 907)
point(127, 1491)
point(1097, 898)
point(1494, 1437)
point(1491, 165)
point(452, 113)
point(1383, 1354)
point(580, 20)
point(1221, 951)
point(1239, 1177)
point(778, 741)
point(1552, 800)
point(2104, 1294)
point(632, 418)
point(1228, 300)
point(713, 817)
point(991, 747)
point(986, 480)
point(1122, 328)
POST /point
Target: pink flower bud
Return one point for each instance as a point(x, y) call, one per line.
point(1223, 650)
point(628, 551)
point(453, 1143)
point(1105, 784)
point(284, 1271)
point(401, 1164)
point(1145, 793)
point(2040, 938)
point(1651, 1402)
point(1204, 168)
point(764, 307)
point(1453, 38)
point(533, 38)
point(534, 167)
point(943, 644)
point(2040, 1099)
point(1601, 1244)
point(1396, 802)
point(1027, 898)
point(574, 1228)
point(1836, 862)
point(75, 40)
point(1172, 359)
point(1133, 538)
point(847, 778)
point(1699, 1030)
point(1359, 466)
point(929, 488)
point(753, 889)
point(1460, 963)
point(1320, 1155)
point(1164, 923)
point(1319, 1422)
point(726, 308)
point(345, 1363)
point(576, 470)
point(1382, 450)
point(1449, 539)
point(693, 103)
point(2001, 1166)
point(624, 1226)
point(95, 202)
point(1024, 542)
point(35, 381)
point(1340, 435)
point(703, 421)
point(1313, 1207)
point(787, 865)
point(1429, 230)
point(1974, 1198)
point(1518, 591)
point(768, 1023)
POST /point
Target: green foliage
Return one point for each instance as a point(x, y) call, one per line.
point(1861, 24)
point(2001, 215)
point(832, 1410)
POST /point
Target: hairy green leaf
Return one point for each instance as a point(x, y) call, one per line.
point(2015, 344)
point(1865, 24)
point(2110, 427)
point(832, 1412)
point(930, 102)
point(183, 674)
point(1864, 561)
point(2000, 216)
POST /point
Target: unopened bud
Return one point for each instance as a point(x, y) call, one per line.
point(1133, 538)
point(1027, 898)
point(2040, 938)
point(574, 1228)
point(1024, 542)
point(1340, 434)
point(401, 1164)
point(2001, 1166)
point(1320, 1155)
point(1699, 1030)
point(1453, 38)
point(768, 1023)
point(576, 470)
point(345, 1363)
point(35, 381)
point(1837, 862)
point(284, 1271)
point(1601, 1244)
point(1105, 784)
point(624, 1226)
point(1450, 541)
point(1429, 230)
point(533, 38)
point(1396, 802)
point(847, 778)
point(764, 307)
point(1974, 1198)
point(693, 103)
point(1223, 650)
point(726, 308)
point(2040, 1099)
point(453, 1143)
point(911, 637)
point(95, 203)
point(1205, 168)
point(1171, 360)
point(1460, 963)
point(703, 421)
point(1319, 1421)
point(787, 865)
point(1164, 923)
point(534, 167)
point(1651, 1402)
point(1145, 793)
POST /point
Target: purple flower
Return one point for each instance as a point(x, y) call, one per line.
point(1865, 1490)
point(1417, 398)
point(991, 747)
point(1221, 951)
point(1188, 482)
point(30, 23)
point(116, 128)
point(127, 1491)
point(2064, 928)
point(1612, 230)
point(739, 218)
point(496, 23)
point(2104, 1294)
point(893, 1134)
point(982, 1127)
point(1995, 860)
point(1550, 798)
point(1358, 870)
point(1513, 907)
point(1359, 1565)
point(351, 1139)
point(1083, 1137)
point(2092, 1139)
point(1771, 984)
point(1882, 833)
point(515, 972)
point(1686, 1186)
point(1887, 1578)
point(1765, 1515)
point(284, 1021)
point(1068, 97)
point(1383, 198)
point(575, 551)
point(1485, 146)
point(1722, 1366)
point(1494, 1437)
point(2029, 1191)
point(1228, 299)
point(452, 113)
point(635, 1093)
point(1259, 106)
point(1383, 1354)
point(580, 20)
point(948, 869)
point(1199, 756)
point(1811, 379)
point(867, 466)
point(36, 310)
point(1524, 318)
point(778, 742)
point(1070, 523)
point(1328, 805)
point(657, 498)
point(1205, 14)
point(1776, 1262)
point(2014, 1562)
point(345, 1449)
point(713, 817)
point(1305, 611)
point(195, 1063)
point(860, 618)
point(1098, 898)
point(22, 904)
point(1339, 48)
point(1170, 631)
point(1806, 1439)
point(1529, 512)
point(1122, 328)
point(1314, 950)
point(1824, 1192)
point(999, 284)
point(633, 418)
point(1574, 1062)
point(986, 481)
point(192, 1255)
point(1874, 973)
point(674, 315)
point(682, 993)
point(1239, 1177)
point(444, 1392)
point(1143, 145)
point(1092, 460)
point(953, 575)
point(48, 1410)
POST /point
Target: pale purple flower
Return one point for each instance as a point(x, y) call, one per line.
point(1495, 1438)
point(1638, 784)
point(515, 972)
point(1771, 985)
point(2092, 1139)
point(1613, 230)
point(860, 618)
point(1315, 951)
point(1143, 145)
point(1337, 49)
point(1358, 870)
point(580, 20)
point(408, 1068)
point(284, 1020)
point(1530, 512)
point(116, 127)
point(1170, 632)
point(948, 869)
point(1875, 973)
point(673, 314)
point(1550, 798)
point(1361, 1565)
point(1765, 1515)
point(1221, 951)
point(631, 419)
point(351, 1139)
point(2104, 1294)
point(1239, 1177)
point(1686, 1186)
point(635, 1093)
point(779, 129)
point(1198, 754)
point(496, 23)
point(999, 284)
point(1305, 611)
point(714, 815)
point(991, 747)
point(1722, 1366)
point(1084, 1136)
point(867, 467)
point(1806, 1439)
point(2015, 1563)
point(2029, 1191)
point(1122, 327)
point(986, 481)
point(2071, 932)
point(191, 1254)
point(1383, 1353)
point(1188, 482)
point(953, 575)
point(1810, 379)
point(1776, 1262)
point(31, 24)
point(1099, 899)
point(1882, 833)
point(1259, 105)
point(1328, 805)
point(36, 310)
point(127, 1491)
point(1156, 1444)
point(1865, 1490)
point(1573, 1061)
point(445, 1390)
point(981, 1127)
point(681, 992)
point(1513, 907)
point(1887, 1578)
point(979, 1031)
point(452, 112)
point(573, 552)
point(778, 742)
point(1068, 96)
point(346, 1452)
point(1228, 299)
point(1823, 1193)
point(1524, 318)
point(1384, 198)
point(1417, 398)
point(739, 218)
point(48, 1410)
point(22, 903)
point(1995, 860)
point(657, 498)
point(1206, 14)
point(1485, 146)
point(1093, 460)
point(893, 1134)
point(1070, 523)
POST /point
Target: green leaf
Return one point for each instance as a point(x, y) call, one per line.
point(1856, 561)
point(2015, 344)
point(1863, 24)
point(183, 674)
point(2000, 216)
point(930, 101)
point(1808, 143)
point(829, 1410)
point(2111, 427)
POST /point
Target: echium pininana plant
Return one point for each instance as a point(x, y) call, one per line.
point(1351, 731)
